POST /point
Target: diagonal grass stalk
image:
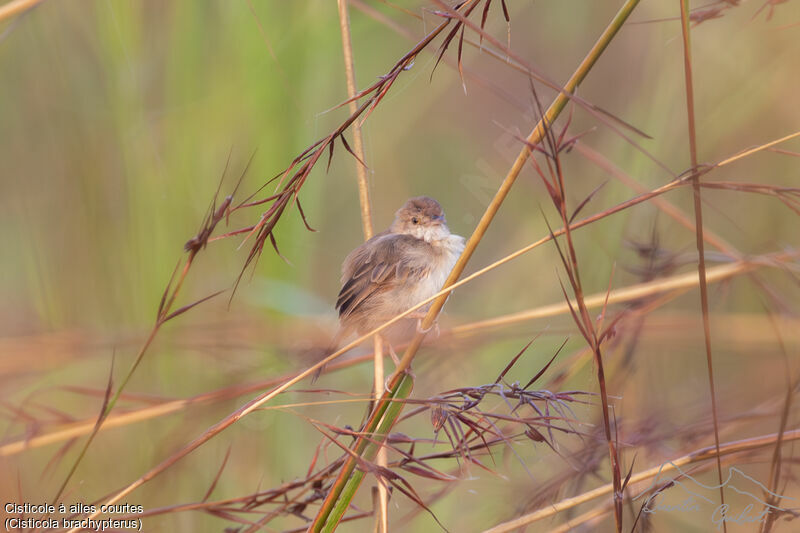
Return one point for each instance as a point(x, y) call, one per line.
point(344, 488)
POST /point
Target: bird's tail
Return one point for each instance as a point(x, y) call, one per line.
point(334, 345)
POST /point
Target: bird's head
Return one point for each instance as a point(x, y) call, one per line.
point(423, 218)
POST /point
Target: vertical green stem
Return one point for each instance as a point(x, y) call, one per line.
point(368, 449)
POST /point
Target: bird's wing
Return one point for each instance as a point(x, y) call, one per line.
point(378, 265)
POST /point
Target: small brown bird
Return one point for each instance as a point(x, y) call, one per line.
point(397, 269)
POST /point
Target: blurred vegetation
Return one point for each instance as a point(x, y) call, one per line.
point(117, 121)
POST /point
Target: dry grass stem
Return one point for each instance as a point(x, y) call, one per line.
point(700, 455)
point(358, 141)
point(632, 293)
point(16, 7)
point(699, 241)
point(366, 222)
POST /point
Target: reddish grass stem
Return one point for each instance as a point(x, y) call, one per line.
point(700, 241)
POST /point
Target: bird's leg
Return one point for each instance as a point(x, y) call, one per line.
point(393, 354)
point(396, 360)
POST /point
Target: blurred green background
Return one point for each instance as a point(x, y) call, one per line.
point(116, 120)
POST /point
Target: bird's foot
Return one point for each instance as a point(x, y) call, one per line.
point(434, 327)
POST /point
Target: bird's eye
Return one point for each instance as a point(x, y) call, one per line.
point(414, 220)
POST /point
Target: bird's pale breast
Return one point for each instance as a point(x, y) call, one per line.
point(440, 266)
